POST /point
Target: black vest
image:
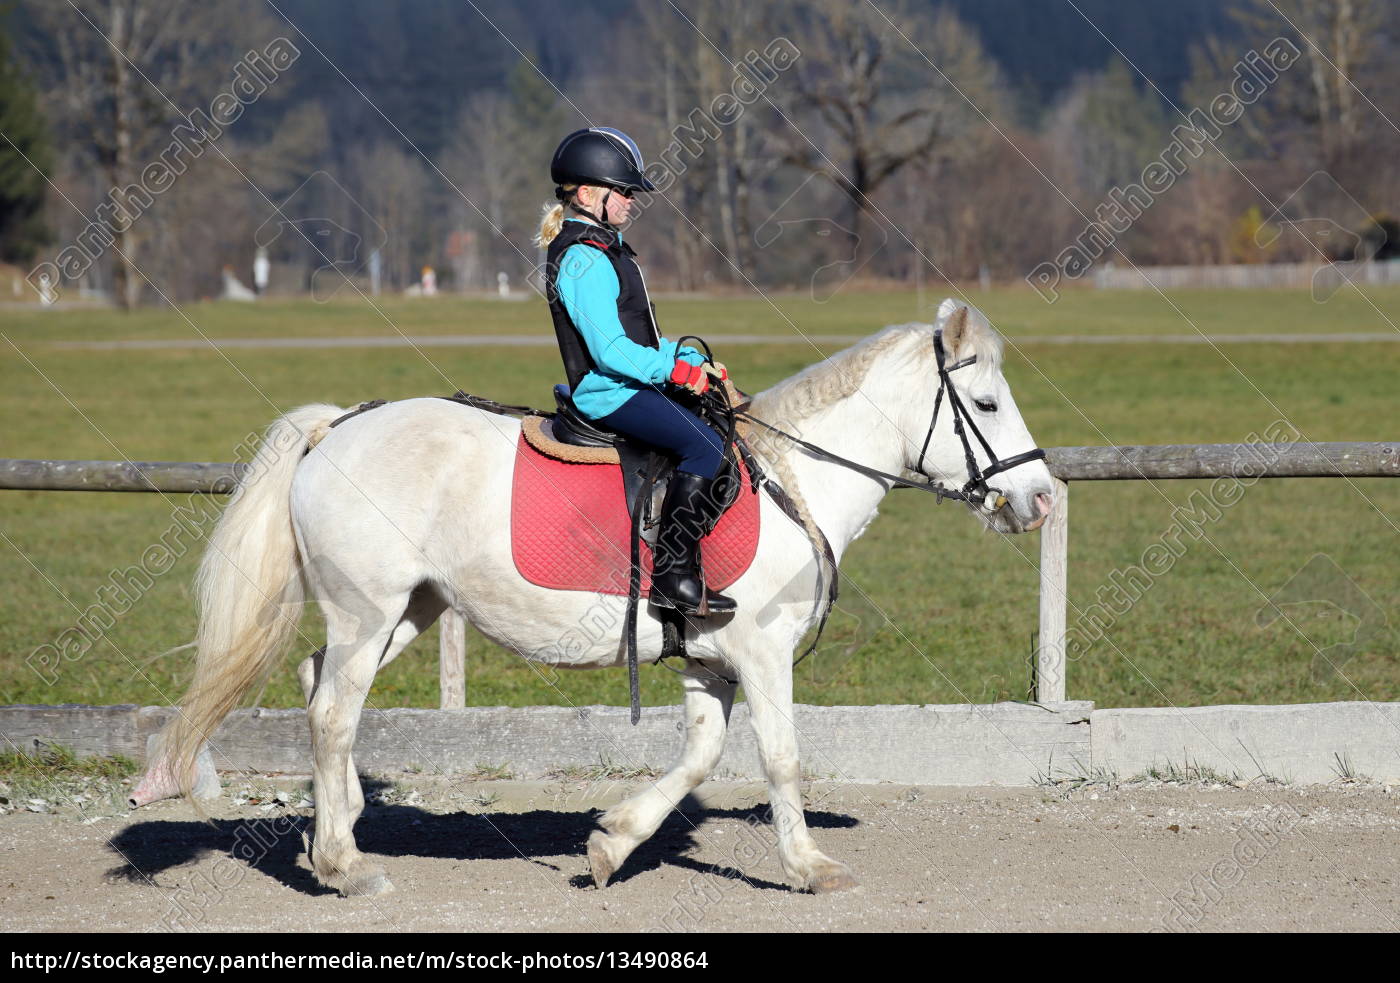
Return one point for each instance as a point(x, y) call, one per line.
point(633, 306)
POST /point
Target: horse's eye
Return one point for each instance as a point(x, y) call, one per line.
point(985, 405)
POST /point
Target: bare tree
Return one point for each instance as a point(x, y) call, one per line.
point(484, 163)
point(877, 89)
point(671, 48)
point(1316, 139)
point(392, 185)
point(1338, 40)
point(116, 71)
point(1319, 108)
point(1105, 129)
point(733, 32)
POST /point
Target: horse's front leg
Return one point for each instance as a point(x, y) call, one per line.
point(708, 700)
point(767, 679)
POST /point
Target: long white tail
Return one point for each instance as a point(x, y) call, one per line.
point(249, 587)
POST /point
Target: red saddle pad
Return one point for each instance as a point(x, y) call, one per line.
point(569, 528)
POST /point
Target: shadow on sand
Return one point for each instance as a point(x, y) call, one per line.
point(275, 846)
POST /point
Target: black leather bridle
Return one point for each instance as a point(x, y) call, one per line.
point(975, 491)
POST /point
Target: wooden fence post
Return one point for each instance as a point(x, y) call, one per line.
point(452, 660)
point(1054, 600)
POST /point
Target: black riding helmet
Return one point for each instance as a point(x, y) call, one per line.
point(600, 156)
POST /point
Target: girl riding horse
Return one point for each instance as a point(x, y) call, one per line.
point(622, 373)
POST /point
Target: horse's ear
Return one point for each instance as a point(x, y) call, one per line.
point(955, 330)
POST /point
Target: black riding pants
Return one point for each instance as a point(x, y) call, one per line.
point(650, 416)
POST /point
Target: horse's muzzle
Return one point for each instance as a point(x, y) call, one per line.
point(1043, 505)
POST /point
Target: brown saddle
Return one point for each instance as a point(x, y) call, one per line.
point(539, 434)
point(570, 436)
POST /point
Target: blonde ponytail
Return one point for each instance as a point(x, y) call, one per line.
point(553, 219)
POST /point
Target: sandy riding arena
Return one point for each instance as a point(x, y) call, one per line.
point(482, 854)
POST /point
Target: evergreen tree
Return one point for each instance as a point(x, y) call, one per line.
point(25, 163)
point(538, 110)
point(1120, 128)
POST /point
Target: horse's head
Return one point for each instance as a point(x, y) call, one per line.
point(1020, 496)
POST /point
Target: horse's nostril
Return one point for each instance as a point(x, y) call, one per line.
point(1044, 503)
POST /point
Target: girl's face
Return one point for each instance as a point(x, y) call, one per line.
point(619, 205)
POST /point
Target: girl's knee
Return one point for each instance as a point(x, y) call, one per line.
point(704, 459)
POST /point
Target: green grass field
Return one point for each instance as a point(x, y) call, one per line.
point(960, 603)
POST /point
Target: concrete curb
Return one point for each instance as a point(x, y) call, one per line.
point(1000, 744)
point(1307, 743)
point(997, 744)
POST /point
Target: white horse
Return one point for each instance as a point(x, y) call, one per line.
point(405, 510)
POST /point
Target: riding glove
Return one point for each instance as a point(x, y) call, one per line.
point(691, 377)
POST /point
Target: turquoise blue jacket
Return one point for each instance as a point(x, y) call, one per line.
point(588, 288)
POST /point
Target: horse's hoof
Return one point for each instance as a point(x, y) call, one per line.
point(598, 861)
point(370, 882)
point(836, 878)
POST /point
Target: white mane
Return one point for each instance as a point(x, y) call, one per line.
point(839, 376)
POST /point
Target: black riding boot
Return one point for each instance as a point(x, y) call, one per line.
point(687, 514)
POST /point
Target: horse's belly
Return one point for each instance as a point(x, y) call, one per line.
point(564, 629)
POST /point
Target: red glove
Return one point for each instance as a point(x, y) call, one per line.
point(691, 377)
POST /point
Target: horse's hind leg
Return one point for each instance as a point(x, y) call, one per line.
point(424, 607)
point(708, 700)
point(358, 640)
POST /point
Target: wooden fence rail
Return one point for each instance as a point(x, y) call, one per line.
point(1153, 462)
point(1169, 461)
point(120, 476)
